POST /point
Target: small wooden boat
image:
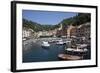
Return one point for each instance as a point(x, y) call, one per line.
point(69, 57)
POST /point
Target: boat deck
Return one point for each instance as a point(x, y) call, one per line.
point(69, 57)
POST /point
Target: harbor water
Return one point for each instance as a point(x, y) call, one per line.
point(34, 52)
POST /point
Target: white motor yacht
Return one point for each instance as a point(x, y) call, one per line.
point(60, 42)
point(45, 44)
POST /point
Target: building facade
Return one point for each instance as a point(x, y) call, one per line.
point(27, 33)
point(84, 31)
point(71, 31)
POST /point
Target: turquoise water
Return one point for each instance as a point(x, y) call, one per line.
point(37, 53)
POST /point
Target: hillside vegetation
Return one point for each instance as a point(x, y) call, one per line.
point(79, 19)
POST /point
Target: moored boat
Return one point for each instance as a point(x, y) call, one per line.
point(60, 42)
point(45, 44)
point(68, 57)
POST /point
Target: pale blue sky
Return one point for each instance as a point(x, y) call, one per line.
point(46, 17)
